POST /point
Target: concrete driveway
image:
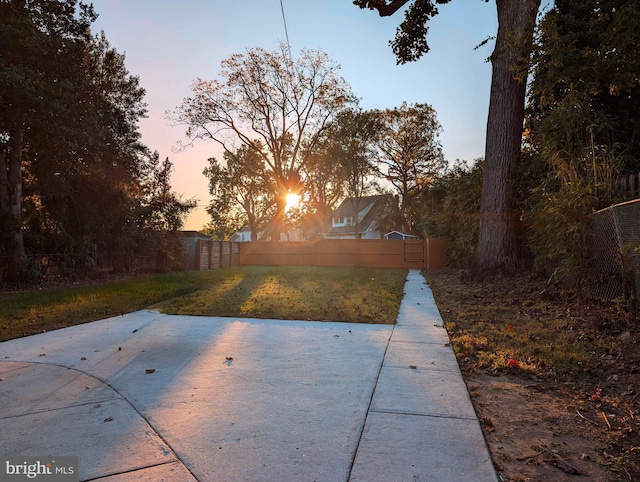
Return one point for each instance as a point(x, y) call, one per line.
point(151, 397)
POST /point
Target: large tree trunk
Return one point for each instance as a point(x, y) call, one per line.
point(11, 203)
point(498, 250)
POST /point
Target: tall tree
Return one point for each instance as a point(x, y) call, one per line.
point(353, 137)
point(160, 216)
point(239, 193)
point(325, 186)
point(283, 103)
point(410, 155)
point(586, 72)
point(83, 162)
point(498, 249)
point(75, 179)
point(40, 40)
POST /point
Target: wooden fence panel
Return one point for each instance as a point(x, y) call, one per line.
point(215, 255)
point(435, 257)
point(410, 254)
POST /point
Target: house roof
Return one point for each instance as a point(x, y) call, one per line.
point(346, 208)
point(401, 233)
point(370, 208)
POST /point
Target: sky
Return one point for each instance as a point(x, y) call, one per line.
point(170, 43)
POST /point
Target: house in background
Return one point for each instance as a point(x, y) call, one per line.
point(371, 210)
point(242, 236)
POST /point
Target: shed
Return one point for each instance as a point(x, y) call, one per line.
point(399, 235)
point(190, 239)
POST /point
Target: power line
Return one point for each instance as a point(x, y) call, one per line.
point(286, 33)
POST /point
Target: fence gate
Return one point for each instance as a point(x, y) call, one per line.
point(414, 253)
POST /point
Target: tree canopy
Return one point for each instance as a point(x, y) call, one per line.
point(498, 242)
point(271, 103)
point(75, 180)
point(582, 124)
point(409, 155)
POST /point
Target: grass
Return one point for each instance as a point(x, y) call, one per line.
point(308, 293)
point(304, 293)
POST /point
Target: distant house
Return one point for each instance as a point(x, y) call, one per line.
point(244, 235)
point(371, 209)
point(399, 235)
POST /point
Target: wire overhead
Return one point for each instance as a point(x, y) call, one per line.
point(286, 32)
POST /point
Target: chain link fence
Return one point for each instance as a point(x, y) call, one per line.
point(613, 242)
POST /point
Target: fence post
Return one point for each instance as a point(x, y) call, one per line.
point(196, 264)
point(427, 247)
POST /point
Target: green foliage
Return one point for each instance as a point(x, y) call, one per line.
point(449, 209)
point(409, 155)
point(353, 137)
point(74, 177)
point(584, 103)
point(240, 194)
point(411, 37)
point(275, 106)
point(557, 226)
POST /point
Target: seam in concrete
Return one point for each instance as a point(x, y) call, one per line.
point(122, 397)
point(375, 385)
point(132, 471)
point(429, 415)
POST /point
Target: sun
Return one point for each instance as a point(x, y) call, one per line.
point(293, 200)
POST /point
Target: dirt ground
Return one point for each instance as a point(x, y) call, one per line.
point(580, 422)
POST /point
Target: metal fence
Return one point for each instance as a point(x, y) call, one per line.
point(613, 242)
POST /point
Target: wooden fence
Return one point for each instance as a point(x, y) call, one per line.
point(374, 253)
point(211, 254)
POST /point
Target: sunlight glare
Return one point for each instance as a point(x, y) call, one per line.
point(292, 200)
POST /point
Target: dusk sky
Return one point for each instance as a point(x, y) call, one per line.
point(169, 43)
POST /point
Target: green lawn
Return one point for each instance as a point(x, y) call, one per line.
point(301, 292)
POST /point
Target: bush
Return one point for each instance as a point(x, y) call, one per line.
point(449, 209)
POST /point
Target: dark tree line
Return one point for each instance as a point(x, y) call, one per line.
point(75, 180)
